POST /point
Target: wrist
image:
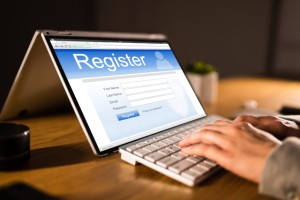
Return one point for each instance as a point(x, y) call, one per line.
point(267, 152)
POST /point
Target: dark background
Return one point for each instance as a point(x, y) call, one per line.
point(240, 38)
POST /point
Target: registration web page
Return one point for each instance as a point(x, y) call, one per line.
point(127, 90)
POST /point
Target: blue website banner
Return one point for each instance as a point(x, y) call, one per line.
point(87, 63)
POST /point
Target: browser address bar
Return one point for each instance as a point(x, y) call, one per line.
point(137, 44)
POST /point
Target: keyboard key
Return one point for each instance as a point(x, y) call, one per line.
point(193, 124)
point(175, 131)
point(173, 139)
point(141, 144)
point(195, 159)
point(153, 157)
point(177, 136)
point(186, 132)
point(166, 142)
point(132, 148)
point(190, 175)
point(165, 152)
point(190, 130)
point(211, 162)
point(158, 145)
point(205, 165)
point(180, 166)
point(173, 148)
point(141, 152)
point(149, 141)
point(170, 133)
point(178, 156)
point(188, 126)
point(176, 145)
point(199, 157)
point(181, 129)
point(165, 135)
point(181, 135)
point(183, 153)
point(150, 148)
point(156, 138)
point(167, 161)
point(198, 170)
point(176, 139)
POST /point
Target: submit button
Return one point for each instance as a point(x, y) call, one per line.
point(128, 115)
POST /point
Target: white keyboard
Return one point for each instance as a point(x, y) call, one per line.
point(162, 153)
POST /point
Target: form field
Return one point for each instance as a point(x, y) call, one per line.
point(144, 83)
point(152, 100)
point(149, 94)
point(148, 91)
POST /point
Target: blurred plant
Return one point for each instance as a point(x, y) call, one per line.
point(200, 68)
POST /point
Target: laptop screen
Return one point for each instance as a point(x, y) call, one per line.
point(126, 90)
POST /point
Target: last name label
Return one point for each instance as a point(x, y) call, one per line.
point(113, 94)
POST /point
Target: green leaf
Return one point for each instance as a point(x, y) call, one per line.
point(200, 68)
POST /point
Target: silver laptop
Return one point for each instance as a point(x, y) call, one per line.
point(128, 91)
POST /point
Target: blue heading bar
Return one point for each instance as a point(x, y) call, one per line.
point(88, 63)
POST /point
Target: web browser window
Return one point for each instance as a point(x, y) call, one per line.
point(127, 89)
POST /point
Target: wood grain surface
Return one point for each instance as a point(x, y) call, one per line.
point(62, 163)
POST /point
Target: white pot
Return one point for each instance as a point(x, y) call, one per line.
point(205, 86)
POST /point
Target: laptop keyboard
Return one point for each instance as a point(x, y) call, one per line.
point(164, 151)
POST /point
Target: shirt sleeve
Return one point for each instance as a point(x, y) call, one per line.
point(294, 118)
point(281, 174)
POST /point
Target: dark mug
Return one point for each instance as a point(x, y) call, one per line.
point(14, 145)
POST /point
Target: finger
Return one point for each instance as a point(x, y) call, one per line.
point(193, 134)
point(186, 141)
point(261, 135)
point(208, 137)
point(228, 129)
point(252, 119)
point(228, 123)
point(218, 122)
point(209, 151)
point(208, 126)
point(222, 122)
point(270, 124)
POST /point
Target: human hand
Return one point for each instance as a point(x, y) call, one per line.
point(237, 146)
point(280, 128)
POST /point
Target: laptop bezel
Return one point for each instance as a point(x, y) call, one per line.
point(76, 104)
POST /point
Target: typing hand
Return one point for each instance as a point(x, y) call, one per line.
point(237, 146)
point(280, 128)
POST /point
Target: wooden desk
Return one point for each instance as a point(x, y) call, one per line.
point(62, 163)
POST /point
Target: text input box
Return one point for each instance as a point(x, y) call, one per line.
point(144, 83)
point(152, 100)
point(146, 89)
point(149, 94)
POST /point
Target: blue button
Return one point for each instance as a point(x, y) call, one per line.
point(128, 115)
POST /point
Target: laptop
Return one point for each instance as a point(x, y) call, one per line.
point(128, 91)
